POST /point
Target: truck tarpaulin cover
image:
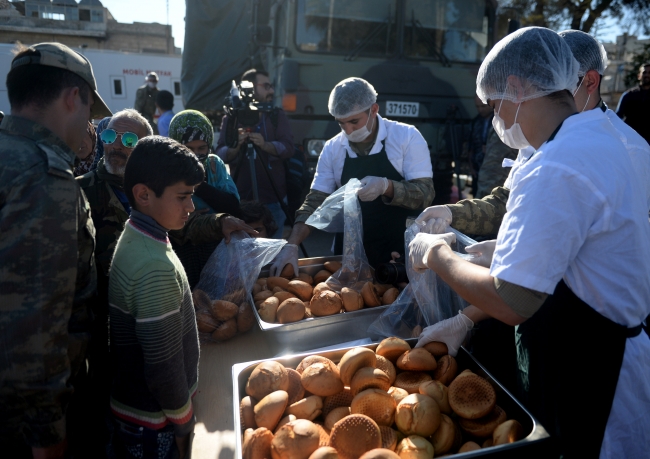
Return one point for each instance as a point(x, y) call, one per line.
point(216, 50)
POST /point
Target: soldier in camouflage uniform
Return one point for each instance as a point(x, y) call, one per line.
point(47, 276)
point(145, 99)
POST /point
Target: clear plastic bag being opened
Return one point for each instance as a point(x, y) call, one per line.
point(355, 270)
point(222, 297)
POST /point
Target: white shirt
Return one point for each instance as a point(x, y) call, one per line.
point(405, 147)
point(574, 213)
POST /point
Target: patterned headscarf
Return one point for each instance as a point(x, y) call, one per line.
point(190, 125)
point(85, 165)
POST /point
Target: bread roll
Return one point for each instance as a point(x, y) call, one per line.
point(447, 370)
point(205, 323)
point(343, 398)
point(321, 379)
point(389, 296)
point(376, 404)
point(257, 288)
point(267, 377)
point(311, 359)
point(380, 453)
point(290, 310)
point(301, 289)
point(354, 435)
point(336, 415)
point(245, 317)
point(285, 420)
point(201, 300)
point(417, 414)
point(444, 437)
point(322, 276)
point(471, 397)
point(277, 290)
point(414, 447)
point(268, 309)
point(305, 278)
point(272, 282)
point(325, 452)
point(437, 391)
point(417, 360)
point(261, 281)
point(485, 426)
point(437, 348)
point(257, 445)
point(287, 272)
point(324, 436)
point(295, 440)
point(352, 300)
point(388, 438)
point(332, 266)
point(353, 360)
point(263, 295)
point(307, 408)
point(508, 432)
point(282, 296)
point(370, 295)
point(270, 409)
point(387, 367)
point(321, 287)
point(296, 391)
point(325, 303)
point(469, 446)
point(225, 331)
point(224, 310)
point(392, 348)
point(397, 393)
point(410, 381)
point(236, 296)
point(487, 443)
point(246, 413)
point(369, 377)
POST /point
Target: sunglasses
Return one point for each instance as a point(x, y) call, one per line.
point(129, 139)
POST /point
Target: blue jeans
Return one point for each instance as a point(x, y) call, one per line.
point(279, 217)
point(131, 441)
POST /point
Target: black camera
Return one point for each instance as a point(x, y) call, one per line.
point(391, 273)
point(242, 109)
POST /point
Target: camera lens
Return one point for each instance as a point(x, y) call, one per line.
point(391, 273)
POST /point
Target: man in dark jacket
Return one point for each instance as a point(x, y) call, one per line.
point(634, 106)
point(145, 99)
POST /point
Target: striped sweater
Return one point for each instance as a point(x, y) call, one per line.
point(154, 340)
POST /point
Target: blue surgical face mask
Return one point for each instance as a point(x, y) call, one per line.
point(513, 137)
point(360, 134)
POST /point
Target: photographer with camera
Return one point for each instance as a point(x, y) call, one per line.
point(269, 133)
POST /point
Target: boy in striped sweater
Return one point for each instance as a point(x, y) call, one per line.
point(154, 338)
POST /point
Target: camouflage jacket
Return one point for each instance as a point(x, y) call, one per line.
point(480, 217)
point(47, 280)
point(145, 102)
point(492, 173)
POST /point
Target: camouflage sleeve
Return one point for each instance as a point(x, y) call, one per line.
point(411, 194)
point(312, 202)
point(199, 228)
point(38, 270)
point(480, 217)
point(492, 173)
point(140, 100)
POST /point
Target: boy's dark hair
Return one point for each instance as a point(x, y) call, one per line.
point(159, 162)
point(251, 75)
point(40, 85)
point(252, 211)
point(165, 100)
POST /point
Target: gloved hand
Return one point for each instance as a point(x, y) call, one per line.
point(483, 252)
point(452, 332)
point(287, 256)
point(421, 246)
point(372, 188)
point(435, 219)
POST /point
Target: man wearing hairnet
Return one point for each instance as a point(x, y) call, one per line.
point(391, 160)
point(571, 266)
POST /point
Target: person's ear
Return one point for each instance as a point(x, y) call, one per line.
point(591, 82)
point(142, 195)
point(374, 109)
point(71, 98)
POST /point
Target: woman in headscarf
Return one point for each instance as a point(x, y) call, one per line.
point(86, 152)
point(218, 193)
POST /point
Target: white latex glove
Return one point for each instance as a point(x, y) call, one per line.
point(452, 332)
point(422, 244)
point(372, 188)
point(483, 252)
point(287, 256)
point(435, 219)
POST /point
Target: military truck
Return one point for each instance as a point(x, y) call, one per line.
point(422, 57)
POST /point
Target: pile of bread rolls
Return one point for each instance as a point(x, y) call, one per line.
point(223, 318)
point(395, 402)
point(287, 299)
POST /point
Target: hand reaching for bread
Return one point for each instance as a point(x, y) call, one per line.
point(452, 332)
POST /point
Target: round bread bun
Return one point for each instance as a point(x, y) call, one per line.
point(392, 348)
point(257, 288)
point(410, 381)
point(310, 360)
point(321, 287)
point(305, 278)
point(414, 447)
point(307, 408)
point(417, 360)
point(224, 310)
point(370, 295)
point(483, 427)
point(369, 377)
point(397, 393)
point(388, 438)
point(225, 331)
point(387, 367)
point(287, 272)
point(322, 276)
point(444, 437)
point(201, 300)
point(246, 413)
point(336, 415)
point(332, 266)
point(278, 290)
point(324, 452)
point(263, 295)
point(301, 289)
point(272, 282)
point(354, 435)
point(487, 443)
point(322, 379)
point(436, 348)
point(285, 420)
point(268, 309)
point(282, 296)
point(343, 398)
point(352, 300)
point(205, 323)
point(447, 370)
point(324, 436)
point(308, 314)
point(508, 432)
point(437, 391)
point(295, 440)
point(389, 296)
point(236, 296)
point(326, 303)
point(417, 414)
point(471, 397)
point(290, 310)
point(383, 288)
point(380, 453)
point(267, 377)
point(353, 360)
point(296, 391)
point(376, 404)
point(270, 409)
point(469, 446)
point(257, 445)
point(245, 317)
point(261, 281)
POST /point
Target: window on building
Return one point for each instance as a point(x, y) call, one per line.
point(177, 88)
point(97, 16)
point(34, 14)
point(55, 16)
point(84, 15)
point(118, 87)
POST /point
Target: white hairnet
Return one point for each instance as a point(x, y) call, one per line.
point(588, 51)
point(351, 96)
point(539, 60)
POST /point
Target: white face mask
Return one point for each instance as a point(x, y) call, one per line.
point(360, 134)
point(151, 84)
point(513, 137)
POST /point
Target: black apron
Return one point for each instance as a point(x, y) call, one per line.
point(569, 359)
point(383, 225)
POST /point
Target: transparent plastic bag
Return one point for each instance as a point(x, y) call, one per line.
point(228, 277)
point(403, 318)
point(355, 269)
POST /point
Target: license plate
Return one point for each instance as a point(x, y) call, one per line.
point(410, 109)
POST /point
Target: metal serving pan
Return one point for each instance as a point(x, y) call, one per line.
point(317, 332)
point(536, 444)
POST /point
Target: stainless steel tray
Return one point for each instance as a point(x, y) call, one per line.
point(536, 444)
point(320, 332)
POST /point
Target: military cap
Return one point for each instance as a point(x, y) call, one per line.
point(59, 55)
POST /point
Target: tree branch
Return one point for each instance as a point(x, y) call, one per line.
point(594, 14)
